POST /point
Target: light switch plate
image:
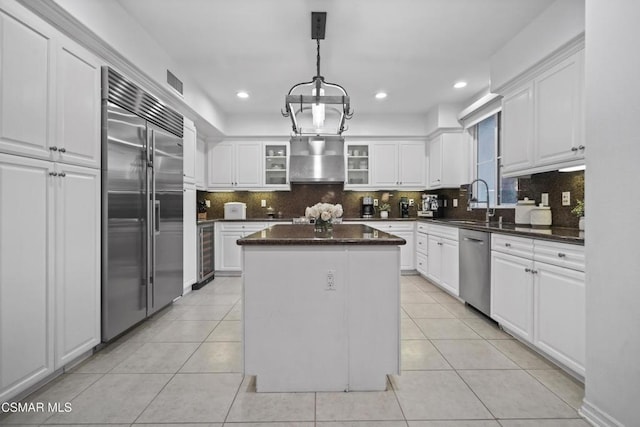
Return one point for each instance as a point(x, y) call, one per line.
point(207, 203)
point(545, 199)
point(566, 198)
point(263, 203)
point(455, 203)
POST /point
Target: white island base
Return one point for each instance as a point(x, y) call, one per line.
point(302, 336)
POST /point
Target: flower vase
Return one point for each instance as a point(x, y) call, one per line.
point(322, 226)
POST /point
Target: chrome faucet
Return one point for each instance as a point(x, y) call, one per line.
point(490, 211)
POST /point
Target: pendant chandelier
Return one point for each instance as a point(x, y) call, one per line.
point(317, 107)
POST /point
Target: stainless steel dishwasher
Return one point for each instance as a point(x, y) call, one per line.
point(475, 269)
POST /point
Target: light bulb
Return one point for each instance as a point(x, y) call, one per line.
point(317, 111)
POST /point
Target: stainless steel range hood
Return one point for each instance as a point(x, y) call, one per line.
point(317, 159)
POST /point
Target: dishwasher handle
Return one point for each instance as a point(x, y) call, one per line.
point(471, 239)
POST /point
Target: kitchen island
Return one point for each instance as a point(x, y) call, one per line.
point(321, 310)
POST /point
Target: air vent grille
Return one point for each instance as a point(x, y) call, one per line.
point(174, 82)
point(127, 95)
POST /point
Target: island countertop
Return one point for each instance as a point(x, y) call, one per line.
point(304, 234)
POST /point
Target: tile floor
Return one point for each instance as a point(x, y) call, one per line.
point(183, 367)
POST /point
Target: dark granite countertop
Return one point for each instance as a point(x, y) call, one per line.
point(558, 234)
point(304, 234)
point(291, 220)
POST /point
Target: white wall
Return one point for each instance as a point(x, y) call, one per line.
point(612, 207)
point(557, 25)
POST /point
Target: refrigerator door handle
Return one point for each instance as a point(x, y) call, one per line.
point(153, 205)
point(156, 217)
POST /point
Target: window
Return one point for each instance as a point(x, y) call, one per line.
point(502, 191)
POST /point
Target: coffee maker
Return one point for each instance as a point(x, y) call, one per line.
point(367, 207)
point(404, 207)
point(431, 206)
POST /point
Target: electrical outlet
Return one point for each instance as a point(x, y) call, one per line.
point(455, 203)
point(544, 199)
point(207, 203)
point(331, 280)
point(375, 202)
point(263, 203)
point(566, 198)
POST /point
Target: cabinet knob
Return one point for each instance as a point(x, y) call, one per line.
point(534, 271)
point(581, 147)
point(574, 149)
point(62, 174)
point(561, 255)
point(53, 148)
point(53, 174)
point(508, 245)
point(528, 270)
point(62, 150)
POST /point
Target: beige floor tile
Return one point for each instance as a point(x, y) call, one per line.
point(185, 331)
point(215, 357)
point(362, 424)
point(522, 355)
point(427, 311)
point(177, 425)
point(426, 286)
point(565, 387)
point(443, 297)
point(203, 312)
point(358, 406)
point(251, 406)
point(418, 297)
point(462, 311)
point(235, 313)
point(487, 329)
point(407, 285)
point(107, 358)
point(419, 355)
point(544, 423)
point(403, 314)
point(457, 423)
point(437, 395)
point(157, 358)
point(446, 329)
point(473, 354)
point(61, 390)
point(227, 330)
point(217, 299)
point(114, 398)
point(409, 330)
point(193, 398)
point(516, 394)
point(285, 424)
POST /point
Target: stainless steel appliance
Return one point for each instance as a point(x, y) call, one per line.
point(317, 159)
point(205, 254)
point(404, 207)
point(141, 204)
point(367, 207)
point(475, 269)
point(431, 206)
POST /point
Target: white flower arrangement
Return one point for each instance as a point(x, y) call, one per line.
point(324, 211)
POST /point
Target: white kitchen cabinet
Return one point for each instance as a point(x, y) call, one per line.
point(448, 160)
point(26, 273)
point(228, 254)
point(543, 119)
point(450, 275)
point(78, 107)
point(190, 261)
point(201, 164)
point(442, 257)
point(235, 165)
point(398, 165)
point(434, 259)
point(358, 164)
point(422, 245)
point(406, 230)
point(76, 261)
point(276, 165)
point(189, 151)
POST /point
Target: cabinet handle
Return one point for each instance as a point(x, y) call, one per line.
point(53, 148)
point(574, 149)
point(53, 174)
point(439, 243)
point(534, 271)
point(508, 245)
point(581, 147)
point(62, 150)
point(62, 174)
point(528, 270)
point(561, 255)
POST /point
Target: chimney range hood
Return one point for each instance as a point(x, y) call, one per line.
point(316, 159)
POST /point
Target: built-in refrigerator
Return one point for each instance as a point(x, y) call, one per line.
point(142, 190)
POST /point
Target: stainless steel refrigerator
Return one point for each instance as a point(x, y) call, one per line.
point(142, 191)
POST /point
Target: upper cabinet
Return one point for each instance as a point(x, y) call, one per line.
point(358, 172)
point(189, 151)
point(448, 160)
point(201, 164)
point(400, 165)
point(276, 165)
point(234, 165)
point(543, 119)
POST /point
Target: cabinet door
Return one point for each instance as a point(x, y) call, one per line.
point(77, 261)
point(201, 165)
point(27, 95)
point(434, 259)
point(231, 253)
point(220, 169)
point(276, 165)
point(78, 106)
point(189, 152)
point(421, 263)
point(384, 170)
point(450, 262)
point(411, 172)
point(190, 237)
point(512, 293)
point(408, 251)
point(435, 162)
point(26, 273)
point(558, 94)
point(559, 313)
point(248, 164)
point(358, 164)
point(517, 130)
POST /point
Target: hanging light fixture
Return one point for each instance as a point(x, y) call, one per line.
point(317, 107)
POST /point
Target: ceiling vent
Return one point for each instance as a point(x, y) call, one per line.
point(174, 82)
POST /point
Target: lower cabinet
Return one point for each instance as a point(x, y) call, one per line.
point(49, 268)
point(443, 259)
point(406, 231)
point(190, 275)
point(228, 254)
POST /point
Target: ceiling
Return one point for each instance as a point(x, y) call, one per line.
point(413, 49)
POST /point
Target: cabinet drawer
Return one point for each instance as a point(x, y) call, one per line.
point(391, 226)
point(443, 231)
point(517, 246)
point(421, 243)
point(422, 227)
point(421, 263)
point(560, 254)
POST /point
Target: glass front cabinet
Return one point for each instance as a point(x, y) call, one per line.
point(276, 165)
point(357, 167)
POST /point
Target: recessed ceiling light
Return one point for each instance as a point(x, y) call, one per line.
point(242, 94)
point(460, 85)
point(381, 95)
